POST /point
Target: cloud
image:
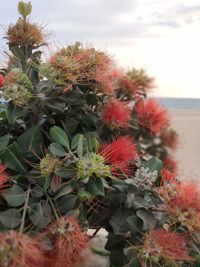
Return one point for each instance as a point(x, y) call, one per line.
point(109, 21)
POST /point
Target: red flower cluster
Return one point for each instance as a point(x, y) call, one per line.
point(167, 245)
point(151, 115)
point(105, 82)
point(4, 178)
point(116, 114)
point(119, 154)
point(2, 80)
point(186, 196)
point(116, 73)
point(170, 139)
point(128, 85)
point(76, 64)
point(170, 164)
point(167, 176)
point(68, 241)
point(20, 250)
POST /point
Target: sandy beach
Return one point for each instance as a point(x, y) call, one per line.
point(187, 124)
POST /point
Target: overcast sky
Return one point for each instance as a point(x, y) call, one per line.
point(161, 36)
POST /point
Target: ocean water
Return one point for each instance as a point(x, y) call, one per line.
point(179, 103)
point(170, 102)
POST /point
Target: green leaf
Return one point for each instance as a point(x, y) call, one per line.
point(119, 222)
point(59, 136)
point(57, 150)
point(135, 224)
point(36, 215)
point(66, 203)
point(4, 141)
point(84, 194)
point(64, 191)
point(79, 145)
point(154, 164)
point(92, 141)
point(10, 218)
point(12, 158)
point(66, 172)
point(149, 222)
point(37, 192)
point(122, 186)
point(14, 112)
point(95, 187)
point(15, 196)
point(30, 143)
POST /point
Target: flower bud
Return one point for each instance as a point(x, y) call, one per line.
point(24, 8)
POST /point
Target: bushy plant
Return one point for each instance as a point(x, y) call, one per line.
point(82, 148)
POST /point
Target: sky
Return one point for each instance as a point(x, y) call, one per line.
point(160, 36)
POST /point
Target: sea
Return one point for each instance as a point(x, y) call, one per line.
point(170, 102)
point(179, 103)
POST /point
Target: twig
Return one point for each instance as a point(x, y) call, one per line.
point(24, 211)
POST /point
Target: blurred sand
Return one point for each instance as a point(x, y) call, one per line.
point(187, 124)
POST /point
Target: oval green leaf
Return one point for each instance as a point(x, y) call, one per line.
point(57, 150)
point(14, 196)
point(59, 136)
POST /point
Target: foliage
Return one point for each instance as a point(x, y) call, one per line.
point(81, 143)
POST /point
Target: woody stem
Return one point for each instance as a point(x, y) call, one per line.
point(24, 211)
point(53, 208)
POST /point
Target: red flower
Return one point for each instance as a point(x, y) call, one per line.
point(2, 80)
point(68, 241)
point(170, 164)
point(116, 73)
point(4, 178)
point(105, 81)
point(119, 154)
point(20, 250)
point(116, 114)
point(167, 176)
point(151, 115)
point(128, 85)
point(166, 245)
point(186, 196)
point(170, 138)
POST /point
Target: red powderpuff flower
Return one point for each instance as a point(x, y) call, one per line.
point(151, 115)
point(106, 82)
point(116, 73)
point(2, 80)
point(167, 176)
point(4, 178)
point(20, 250)
point(167, 245)
point(116, 114)
point(68, 241)
point(170, 164)
point(186, 196)
point(128, 85)
point(170, 138)
point(119, 154)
